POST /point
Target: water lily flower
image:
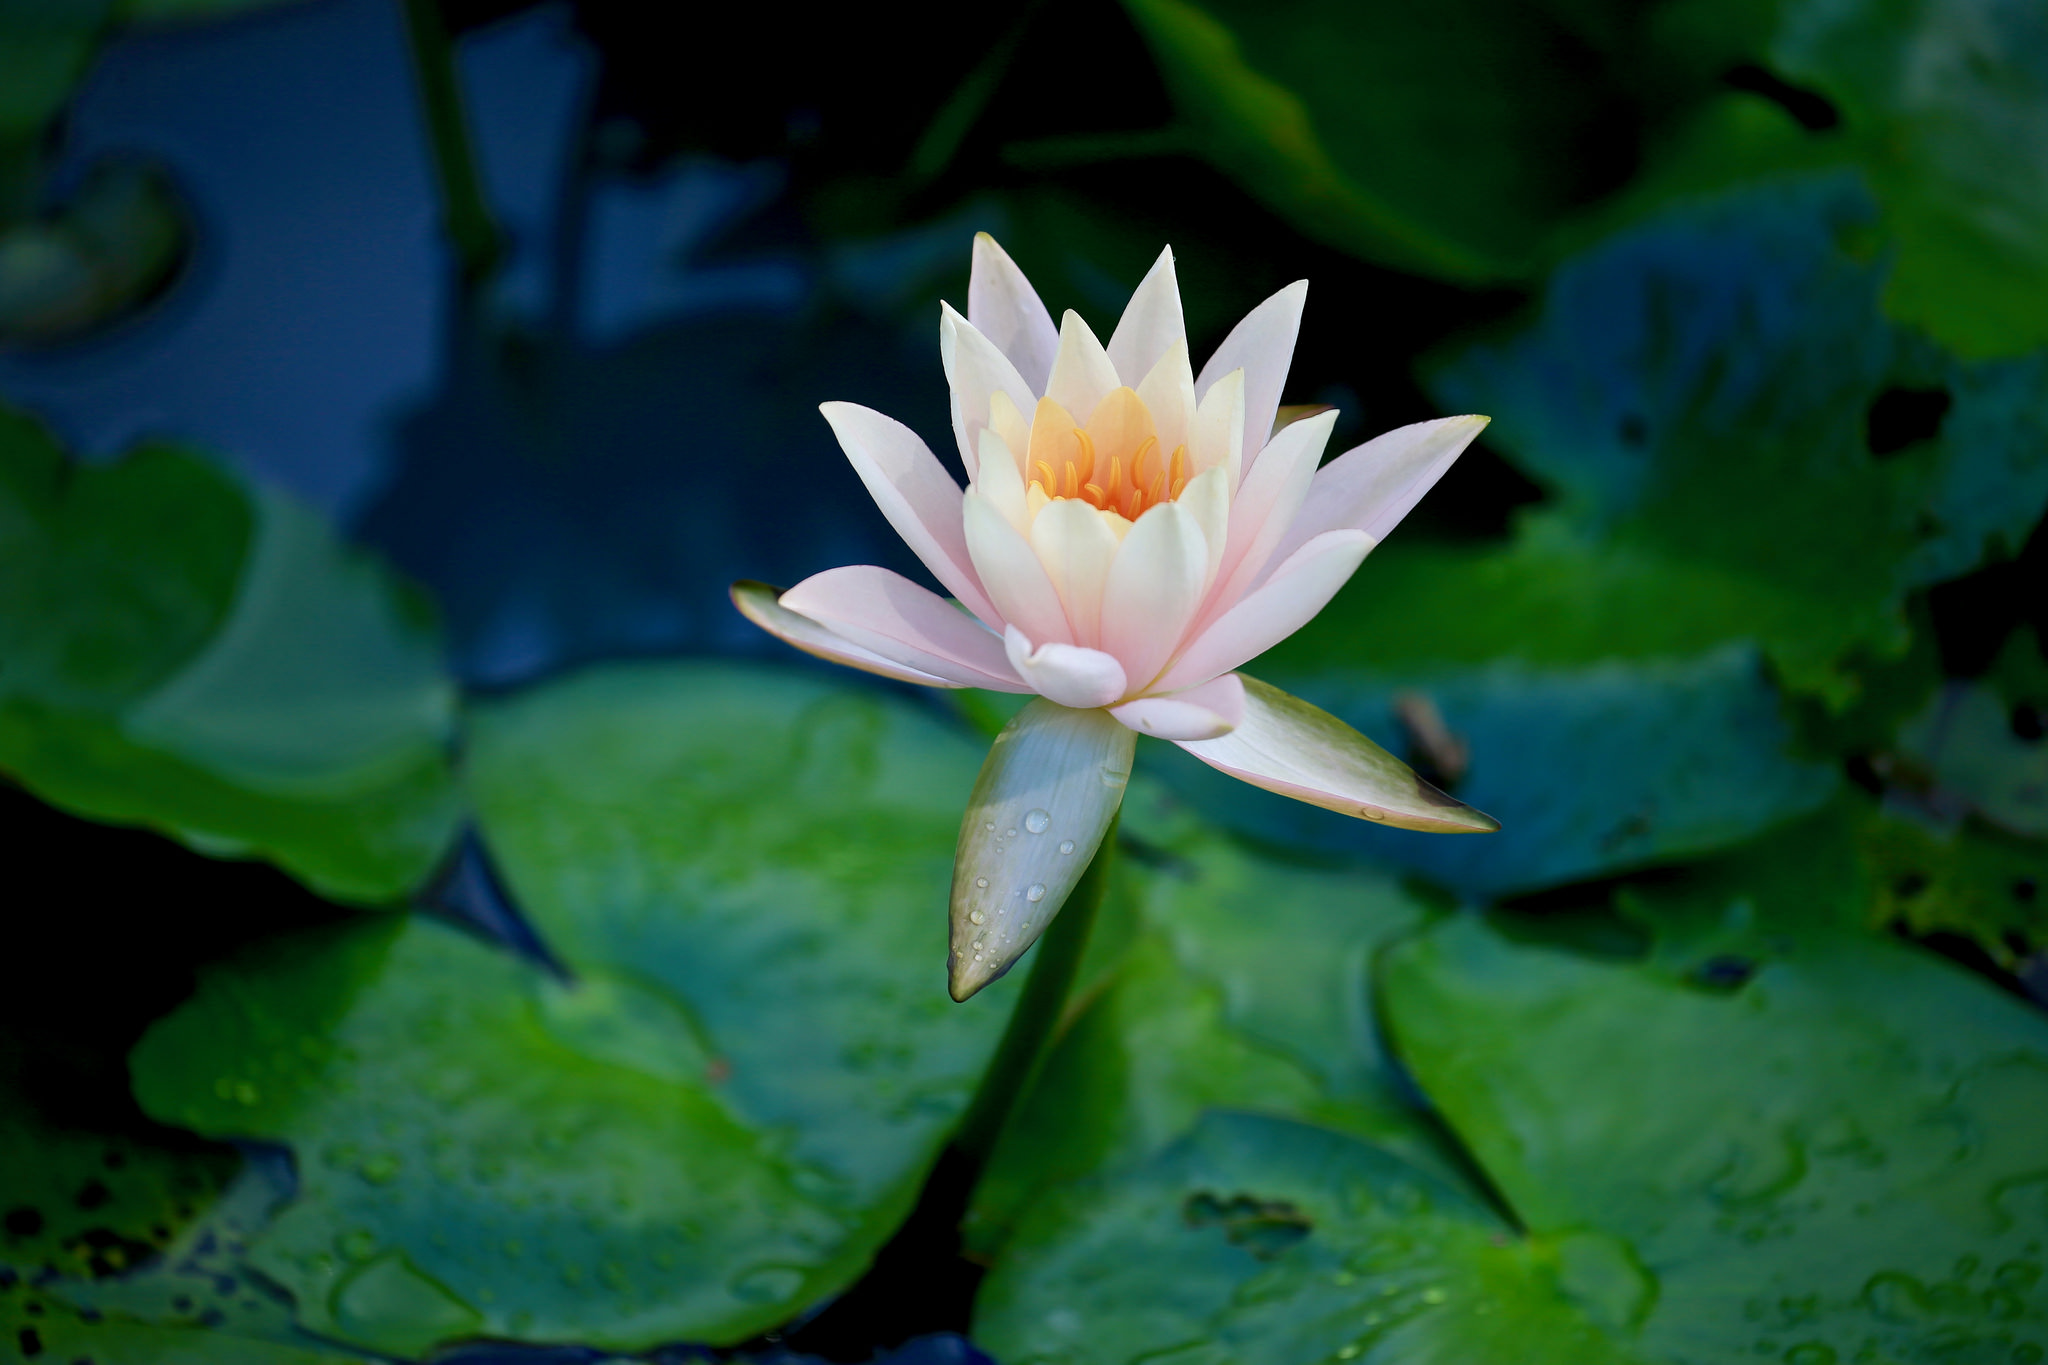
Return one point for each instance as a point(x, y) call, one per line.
point(1130, 534)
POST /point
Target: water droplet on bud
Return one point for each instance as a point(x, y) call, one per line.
point(1036, 821)
point(1036, 893)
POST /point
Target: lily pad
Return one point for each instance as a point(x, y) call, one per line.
point(1196, 1004)
point(1719, 388)
point(1259, 1238)
point(720, 1115)
point(182, 653)
point(1344, 118)
point(41, 1328)
point(1833, 1151)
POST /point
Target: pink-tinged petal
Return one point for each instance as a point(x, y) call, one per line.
point(1217, 440)
point(1267, 505)
point(1151, 323)
point(1068, 674)
point(1154, 587)
point(887, 614)
point(1017, 583)
point(1298, 589)
point(1287, 746)
point(1004, 307)
point(975, 369)
point(1081, 373)
point(1076, 546)
point(1207, 712)
point(916, 494)
point(1038, 812)
point(1263, 347)
point(758, 603)
point(1168, 392)
point(1371, 487)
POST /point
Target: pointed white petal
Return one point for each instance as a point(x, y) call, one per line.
point(1263, 347)
point(1076, 546)
point(1269, 503)
point(1371, 487)
point(1218, 441)
point(1081, 374)
point(1016, 581)
point(757, 602)
point(1150, 324)
point(976, 369)
point(915, 493)
point(1000, 483)
point(1207, 712)
point(1007, 422)
point(1155, 585)
point(1068, 674)
point(1004, 307)
point(887, 614)
point(1207, 500)
point(1284, 604)
point(1168, 392)
point(1285, 745)
point(1051, 783)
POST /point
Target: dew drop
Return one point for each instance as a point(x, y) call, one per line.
point(1036, 893)
point(1115, 777)
point(1369, 813)
point(1066, 845)
point(976, 917)
point(1037, 820)
point(981, 883)
point(1010, 833)
point(989, 825)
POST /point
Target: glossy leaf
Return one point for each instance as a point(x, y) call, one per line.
point(183, 654)
point(1831, 1151)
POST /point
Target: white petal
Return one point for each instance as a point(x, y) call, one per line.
point(758, 603)
point(1297, 590)
point(889, 615)
point(1151, 323)
point(1004, 307)
point(1218, 440)
point(1207, 500)
point(1269, 503)
point(915, 493)
point(1155, 585)
point(1045, 796)
point(975, 369)
point(1207, 712)
point(1081, 374)
point(1371, 487)
point(1007, 422)
point(1076, 546)
point(1263, 347)
point(1067, 674)
point(1285, 745)
point(1016, 581)
point(1000, 483)
point(1168, 392)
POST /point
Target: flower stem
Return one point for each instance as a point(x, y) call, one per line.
point(1021, 1053)
point(464, 216)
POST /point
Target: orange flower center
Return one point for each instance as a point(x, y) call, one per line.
point(1114, 464)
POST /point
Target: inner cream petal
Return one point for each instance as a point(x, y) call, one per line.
point(999, 482)
point(1053, 446)
point(1076, 546)
point(1218, 441)
point(1169, 393)
point(1081, 372)
point(1120, 429)
point(1013, 426)
point(1207, 500)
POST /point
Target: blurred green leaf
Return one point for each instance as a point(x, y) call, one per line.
point(41, 1328)
point(183, 654)
point(1446, 139)
point(1258, 1238)
point(714, 1123)
point(1199, 1004)
point(1718, 388)
point(1819, 1143)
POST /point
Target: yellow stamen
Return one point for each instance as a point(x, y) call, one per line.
point(1092, 492)
point(1042, 476)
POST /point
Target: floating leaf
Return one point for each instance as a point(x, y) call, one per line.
point(1832, 1150)
point(183, 654)
point(1258, 1238)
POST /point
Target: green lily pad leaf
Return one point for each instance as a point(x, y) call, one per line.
point(1685, 756)
point(1832, 1151)
point(181, 653)
point(1260, 1238)
point(90, 1204)
point(1344, 119)
point(1200, 1005)
point(1719, 388)
point(721, 1115)
point(40, 1327)
point(1980, 748)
